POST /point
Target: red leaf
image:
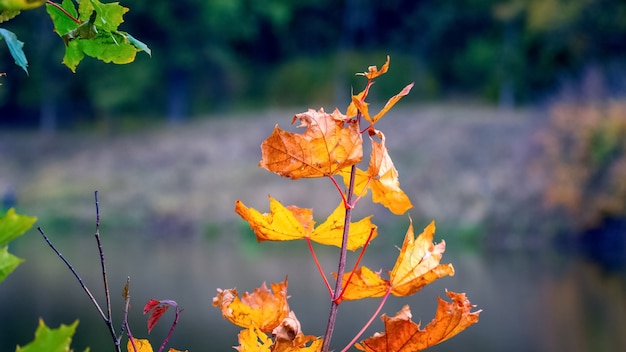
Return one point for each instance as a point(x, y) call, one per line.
point(156, 309)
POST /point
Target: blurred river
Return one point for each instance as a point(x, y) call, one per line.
point(531, 300)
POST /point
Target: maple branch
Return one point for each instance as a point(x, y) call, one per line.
point(356, 264)
point(369, 322)
point(52, 3)
point(334, 305)
point(319, 266)
point(126, 294)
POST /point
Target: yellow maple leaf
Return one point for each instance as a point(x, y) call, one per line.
point(364, 283)
point(417, 266)
point(254, 340)
point(144, 345)
point(293, 223)
point(262, 308)
point(418, 262)
point(403, 335)
point(327, 145)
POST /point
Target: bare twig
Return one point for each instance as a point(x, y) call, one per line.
point(106, 317)
point(126, 295)
point(107, 294)
point(80, 281)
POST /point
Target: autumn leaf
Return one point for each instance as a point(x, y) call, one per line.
point(326, 146)
point(403, 335)
point(417, 266)
point(157, 309)
point(385, 184)
point(418, 262)
point(143, 345)
point(288, 338)
point(381, 177)
point(293, 223)
point(373, 71)
point(254, 340)
point(364, 283)
point(262, 308)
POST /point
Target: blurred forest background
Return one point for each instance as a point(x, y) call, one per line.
point(242, 54)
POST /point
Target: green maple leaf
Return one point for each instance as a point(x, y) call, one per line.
point(51, 340)
point(12, 225)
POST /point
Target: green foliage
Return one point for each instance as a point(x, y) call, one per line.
point(92, 30)
point(12, 226)
point(89, 30)
point(51, 340)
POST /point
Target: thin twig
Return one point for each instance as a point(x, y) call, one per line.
point(104, 271)
point(80, 281)
point(126, 295)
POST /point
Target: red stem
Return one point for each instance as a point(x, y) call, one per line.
point(319, 267)
point(369, 322)
point(169, 334)
point(343, 196)
point(356, 265)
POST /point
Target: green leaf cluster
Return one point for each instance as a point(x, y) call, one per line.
point(92, 30)
point(12, 225)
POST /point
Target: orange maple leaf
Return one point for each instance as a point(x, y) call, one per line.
point(363, 107)
point(293, 223)
point(326, 146)
point(381, 177)
point(144, 345)
point(403, 335)
point(417, 266)
point(263, 308)
point(373, 71)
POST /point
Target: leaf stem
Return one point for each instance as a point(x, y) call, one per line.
point(343, 196)
point(169, 334)
point(369, 322)
point(356, 264)
point(319, 266)
point(52, 3)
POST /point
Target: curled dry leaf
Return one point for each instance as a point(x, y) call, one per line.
point(373, 71)
point(326, 146)
point(381, 177)
point(292, 223)
point(262, 308)
point(403, 335)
